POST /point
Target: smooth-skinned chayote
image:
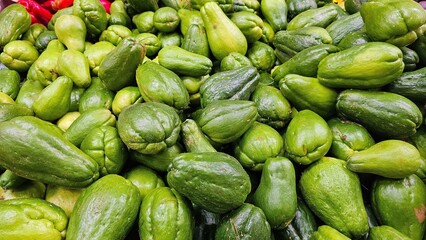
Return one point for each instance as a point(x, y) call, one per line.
point(93, 14)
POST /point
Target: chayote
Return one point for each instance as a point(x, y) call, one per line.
point(10, 82)
point(393, 21)
point(71, 31)
point(93, 14)
point(125, 97)
point(96, 53)
point(115, 34)
point(71, 60)
point(32, 219)
point(35, 30)
point(96, 96)
point(19, 55)
point(149, 127)
point(14, 21)
point(104, 145)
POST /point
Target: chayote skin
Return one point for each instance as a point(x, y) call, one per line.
point(257, 144)
point(118, 15)
point(144, 22)
point(145, 179)
point(71, 60)
point(96, 96)
point(71, 31)
point(115, 34)
point(393, 21)
point(44, 69)
point(160, 161)
point(166, 19)
point(10, 82)
point(149, 127)
point(348, 138)
point(250, 24)
point(19, 55)
point(151, 42)
point(35, 30)
point(308, 138)
point(104, 145)
point(32, 219)
point(27, 189)
point(234, 60)
point(44, 39)
point(63, 197)
point(29, 92)
point(125, 97)
point(93, 14)
point(96, 53)
point(14, 21)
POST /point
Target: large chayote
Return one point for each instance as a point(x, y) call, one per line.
point(393, 21)
point(19, 55)
point(96, 53)
point(257, 144)
point(308, 138)
point(149, 127)
point(32, 219)
point(93, 14)
point(104, 145)
point(44, 68)
point(71, 31)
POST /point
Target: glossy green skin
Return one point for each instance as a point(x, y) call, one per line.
point(145, 179)
point(420, 44)
point(10, 82)
point(32, 219)
point(14, 21)
point(333, 193)
point(50, 158)
point(54, 100)
point(63, 197)
point(293, 41)
point(151, 42)
point(44, 39)
point(149, 127)
point(71, 31)
point(257, 144)
point(177, 4)
point(104, 145)
point(236, 84)
point(170, 39)
point(223, 35)
point(410, 58)
point(400, 204)
point(76, 94)
point(138, 6)
point(204, 178)
point(275, 13)
point(303, 224)
point(160, 161)
point(115, 34)
point(308, 138)
point(386, 233)
point(273, 108)
point(304, 63)
point(376, 111)
point(295, 7)
point(10, 180)
point(87, 121)
point(320, 17)
point(159, 84)
point(165, 214)
point(378, 14)
point(365, 66)
point(69, 61)
point(118, 14)
point(184, 62)
point(388, 158)
point(224, 121)
point(250, 24)
point(308, 93)
point(342, 27)
point(262, 56)
point(229, 6)
point(205, 224)
point(125, 97)
point(106, 209)
point(44, 68)
point(233, 61)
point(166, 19)
point(348, 138)
point(96, 52)
point(268, 33)
point(96, 96)
point(28, 93)
point(144, 22)
point(195, 40)
point(60, 12)
point(352, 39)
point(411, 85)
point(245, 222)
point(276, 194)
point(121, 63)
point(19, 55)
point(419, 140)
point(194, 139)
point(326, 232)
point(93, 14)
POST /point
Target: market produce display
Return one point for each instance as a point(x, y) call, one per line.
point(212, 120)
